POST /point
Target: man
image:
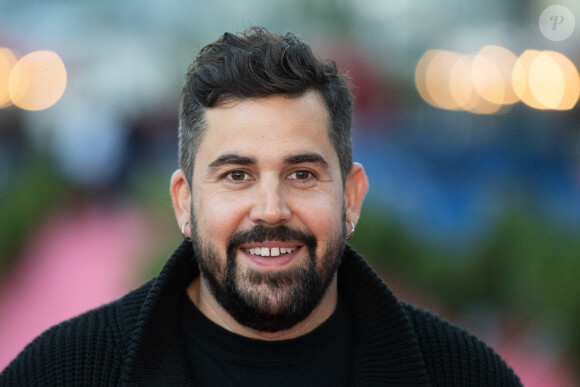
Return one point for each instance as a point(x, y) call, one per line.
point(264, 290)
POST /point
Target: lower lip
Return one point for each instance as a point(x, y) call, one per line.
point(271, 263)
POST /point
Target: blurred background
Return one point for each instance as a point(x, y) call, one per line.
point(467, 123)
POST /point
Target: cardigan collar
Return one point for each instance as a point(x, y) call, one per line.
point(385, 349)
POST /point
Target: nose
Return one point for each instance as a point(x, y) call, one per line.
point(270, 205)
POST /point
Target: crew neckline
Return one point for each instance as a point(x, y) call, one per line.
point(263, 353)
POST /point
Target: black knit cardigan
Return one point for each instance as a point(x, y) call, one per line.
point(137, 340)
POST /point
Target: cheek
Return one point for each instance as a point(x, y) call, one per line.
point(323, 217)
point(217, 217)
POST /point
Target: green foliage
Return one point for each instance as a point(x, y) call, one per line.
point(150, 189)
point(526, 266)
point(30, 194)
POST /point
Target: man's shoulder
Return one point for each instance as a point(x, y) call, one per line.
point(453, 356)
point(114, 319)
point(99, 338)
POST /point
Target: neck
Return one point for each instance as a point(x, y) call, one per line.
point(202, 297)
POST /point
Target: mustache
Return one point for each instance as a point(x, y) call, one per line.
point(261, 233)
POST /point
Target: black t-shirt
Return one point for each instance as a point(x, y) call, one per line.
point(222, 358)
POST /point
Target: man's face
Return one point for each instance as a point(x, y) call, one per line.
point(267, 209)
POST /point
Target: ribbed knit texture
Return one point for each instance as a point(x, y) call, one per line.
point(136, 341)
point(385, 351)
point(447, 348)
point(88, 343)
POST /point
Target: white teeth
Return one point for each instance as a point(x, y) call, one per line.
point(267, 252)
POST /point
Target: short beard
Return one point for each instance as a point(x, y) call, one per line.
point(268, 302)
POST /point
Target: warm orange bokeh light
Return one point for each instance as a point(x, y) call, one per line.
point(460, 83)
point(7, 62)
point(437, 79)
point(444, 80)
point(38, 80)
point(464, 92)
point(520, 79)
point(491, 73)
point(571, 81)
point(554, 81)
point(420, 76)
point(546, 81)
point(494, 79)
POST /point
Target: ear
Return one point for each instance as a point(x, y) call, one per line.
point(355, 189)
point(180, 196)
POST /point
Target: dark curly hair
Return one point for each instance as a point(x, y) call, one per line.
point(257, 64)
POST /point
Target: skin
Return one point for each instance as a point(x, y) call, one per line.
point(267, 162)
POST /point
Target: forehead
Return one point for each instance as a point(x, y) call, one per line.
point(267, 128)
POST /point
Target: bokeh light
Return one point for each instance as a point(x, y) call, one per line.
point(7, 62)
point(463, 90)
point(520, 79)
point(437, 79)
point(38, 80)
point(554, 81)
point(420, 76)
point(444, 79)
point(571, 81)
point(546, 81)
point(494, 79)
point(460, 85)
point(491, 73)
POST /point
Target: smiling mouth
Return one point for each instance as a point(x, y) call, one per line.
point(270, 251)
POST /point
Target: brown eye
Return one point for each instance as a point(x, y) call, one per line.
point(301, 175)
point(237, 175)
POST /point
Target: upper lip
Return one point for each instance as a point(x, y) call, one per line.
point(270, 244)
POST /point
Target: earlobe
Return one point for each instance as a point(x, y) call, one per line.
point(355, 189)
point(180, 196)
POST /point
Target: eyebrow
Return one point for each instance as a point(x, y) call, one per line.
point(234, 159)
point(306, 158)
